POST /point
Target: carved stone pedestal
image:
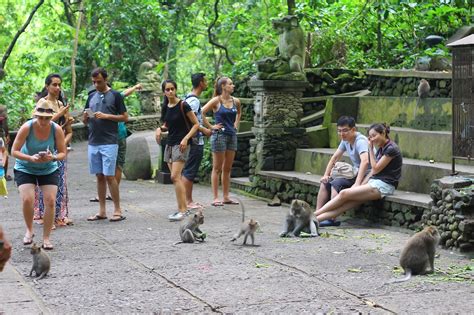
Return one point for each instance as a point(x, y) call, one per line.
point(278, 112)
point(150, 102)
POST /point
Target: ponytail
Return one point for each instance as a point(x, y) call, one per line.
point(218, 85)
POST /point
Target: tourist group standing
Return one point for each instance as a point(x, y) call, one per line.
point(40, 170)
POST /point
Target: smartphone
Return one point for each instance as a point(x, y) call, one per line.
point(89, 112)
point(42, 153)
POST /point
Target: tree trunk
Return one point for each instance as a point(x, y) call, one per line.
point(291, 6)
point(17, 35)
point(74, 54)
point(379, 35)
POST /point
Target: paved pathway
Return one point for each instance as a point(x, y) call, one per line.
point(133, 266)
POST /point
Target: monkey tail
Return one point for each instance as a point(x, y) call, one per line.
point(406, 278)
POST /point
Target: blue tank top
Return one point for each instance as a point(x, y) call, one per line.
point(226, 116)
point(32, 146)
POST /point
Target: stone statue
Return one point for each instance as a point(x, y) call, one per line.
point(151, 87)
point(289, 61)
point(148, 76)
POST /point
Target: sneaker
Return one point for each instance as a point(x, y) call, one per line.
point(177, 216)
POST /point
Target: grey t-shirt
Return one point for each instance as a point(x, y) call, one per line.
point(104, 131)
point(195, 105)
point(361, 145)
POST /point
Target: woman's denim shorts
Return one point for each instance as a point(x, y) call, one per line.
point(384, 188)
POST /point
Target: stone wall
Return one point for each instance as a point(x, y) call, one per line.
point(391, 214)
point(333, 81)
point(241, 165)
point(405, 83)
point(278, 113)
point(452, 211)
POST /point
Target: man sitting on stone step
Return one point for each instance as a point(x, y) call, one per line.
point(357, 146)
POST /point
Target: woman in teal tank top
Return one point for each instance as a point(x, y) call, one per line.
point(227, 113)
point(37, 165)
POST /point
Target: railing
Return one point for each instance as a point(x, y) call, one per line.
point(463, 104)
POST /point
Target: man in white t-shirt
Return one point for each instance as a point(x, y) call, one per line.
point(357, 147)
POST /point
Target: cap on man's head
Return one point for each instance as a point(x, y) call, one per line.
point(44, 108)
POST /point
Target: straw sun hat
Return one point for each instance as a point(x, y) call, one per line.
point(44, 108)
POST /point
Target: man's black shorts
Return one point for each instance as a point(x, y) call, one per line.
point(339, 184)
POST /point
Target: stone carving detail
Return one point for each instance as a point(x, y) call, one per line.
point(289, 61)
point(151, 87)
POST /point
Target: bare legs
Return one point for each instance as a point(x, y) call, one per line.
point(188, 186)
point(179, 186)
point(217, 164)
point(221, 167)
point(102, 183)
point(345, 200)
point(323, 196)
point(27, 194)
point(228, 161)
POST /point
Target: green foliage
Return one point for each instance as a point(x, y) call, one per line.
point(121, 34)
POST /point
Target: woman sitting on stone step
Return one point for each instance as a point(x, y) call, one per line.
point(386, 171)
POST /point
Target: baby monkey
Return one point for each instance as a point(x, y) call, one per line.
point(190, 232)
point(247, 228)
point(299, 219)
point(41, 262)
point(418, 253)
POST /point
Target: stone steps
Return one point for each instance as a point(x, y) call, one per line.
point(417, 175)
point(401, 197)
point(417, 144)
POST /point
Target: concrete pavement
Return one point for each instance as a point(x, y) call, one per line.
point(133, 266)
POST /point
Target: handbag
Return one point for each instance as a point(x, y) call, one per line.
point(343, 170)
point(194, 139)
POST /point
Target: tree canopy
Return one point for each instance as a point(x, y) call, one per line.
point(217, 37)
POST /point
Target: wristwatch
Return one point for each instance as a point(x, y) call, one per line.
point(55, 158)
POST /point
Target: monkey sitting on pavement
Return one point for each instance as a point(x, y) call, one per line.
point(190, 232)
point(247, 228)
point(418, 254)
point(41, 262)
point(299, 219)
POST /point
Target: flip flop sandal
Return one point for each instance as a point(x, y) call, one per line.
point(108, 198)
point(47, 246)
point(95, 199)
point(117, 218)
point(28, 240)
point(217, 204)
point(231, 202)
point(96, 217)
